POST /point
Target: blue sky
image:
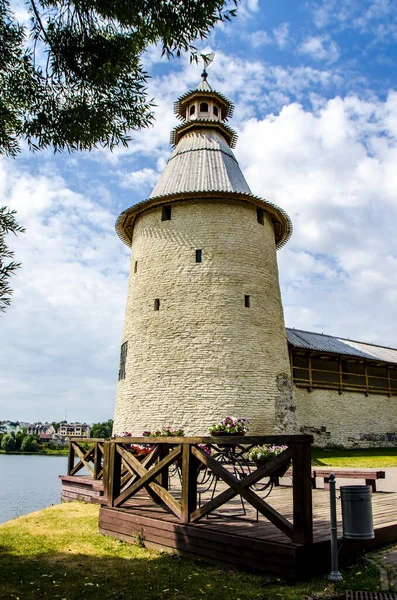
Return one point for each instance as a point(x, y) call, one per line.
point(314, 84)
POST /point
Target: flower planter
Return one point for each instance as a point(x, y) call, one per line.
point(226, 434)
point(279, 472)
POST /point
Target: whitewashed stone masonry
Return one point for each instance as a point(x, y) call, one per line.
point(204, 354)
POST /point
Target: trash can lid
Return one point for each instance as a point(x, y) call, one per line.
point(355, 489)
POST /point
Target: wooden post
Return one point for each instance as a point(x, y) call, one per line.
point(106, 453)
point(340, 375)
point(366, 378)
point(70, 457)
point(302, 494)
point(113, 473)
point(189, 483)
point(97, 460)
point(163, 477)
point(388, 381)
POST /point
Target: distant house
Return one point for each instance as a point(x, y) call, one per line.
point(41, 429)
point(11, 426)
point(55, 438)
point(74, 430)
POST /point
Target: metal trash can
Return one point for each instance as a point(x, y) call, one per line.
point(357, 512)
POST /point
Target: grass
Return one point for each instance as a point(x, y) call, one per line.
point(333, 457)
point(361, 459)
point(58, 553)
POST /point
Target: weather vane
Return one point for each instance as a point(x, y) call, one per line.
point(207, 60)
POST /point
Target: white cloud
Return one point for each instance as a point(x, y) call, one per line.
point(320, 48)
point(138, 180)
point(279, 37)
point(260, 38)
point(60, 338)
point(281, 34)
point(376, 17)
point(247, 7)
point(332, 169)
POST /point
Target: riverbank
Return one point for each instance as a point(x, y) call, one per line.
point(60, 452)
point(58, 552)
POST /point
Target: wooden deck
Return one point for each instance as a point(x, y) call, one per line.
point(231, 538)
point(243, 542)
point(164, 502)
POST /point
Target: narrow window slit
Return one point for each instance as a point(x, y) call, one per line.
point(123, 358)
point(247, 301)
point(260, 216)
point(199, 256)
point(166, 212)
point(136, 266)
point(157, 304)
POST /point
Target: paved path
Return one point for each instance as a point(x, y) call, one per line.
point(387, 561)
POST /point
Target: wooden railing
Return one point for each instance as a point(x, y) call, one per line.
point(89, 452)
point(125, 476)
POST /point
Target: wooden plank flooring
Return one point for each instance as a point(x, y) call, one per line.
point(384, 514)
point(241, 541)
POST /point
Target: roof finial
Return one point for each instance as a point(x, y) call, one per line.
point(207, 60)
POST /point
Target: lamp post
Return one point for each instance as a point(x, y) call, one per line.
point(335, 574)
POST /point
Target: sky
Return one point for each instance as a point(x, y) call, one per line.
point(315, 89)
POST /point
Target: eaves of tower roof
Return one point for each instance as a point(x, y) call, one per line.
point(280, 219)
point(180, 130)
point(319, 342)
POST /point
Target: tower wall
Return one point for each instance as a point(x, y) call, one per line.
point(204, 354)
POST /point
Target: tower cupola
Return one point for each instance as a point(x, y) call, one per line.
point(203, 104)
point(206, 108)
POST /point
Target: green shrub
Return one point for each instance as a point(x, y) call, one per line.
point(29, 444)
point(8, 443)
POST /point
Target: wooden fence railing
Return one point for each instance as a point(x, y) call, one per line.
point(125, 475)
point(89, 452)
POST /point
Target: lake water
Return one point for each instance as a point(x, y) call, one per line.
point(28, 483)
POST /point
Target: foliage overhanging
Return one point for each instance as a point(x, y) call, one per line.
point(8, 224)
point(74, 80)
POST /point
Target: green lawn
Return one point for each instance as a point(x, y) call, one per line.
point(58, 553)
point(368, 458)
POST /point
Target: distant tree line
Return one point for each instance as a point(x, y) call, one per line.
point(102, 430)
point(24, 442)
point(20, 441)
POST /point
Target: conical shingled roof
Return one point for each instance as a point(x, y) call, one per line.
point(202, 162)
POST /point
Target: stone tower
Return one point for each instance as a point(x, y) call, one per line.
point(204, 333)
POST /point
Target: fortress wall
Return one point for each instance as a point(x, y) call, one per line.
point(350, 419)
point(204, 354)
